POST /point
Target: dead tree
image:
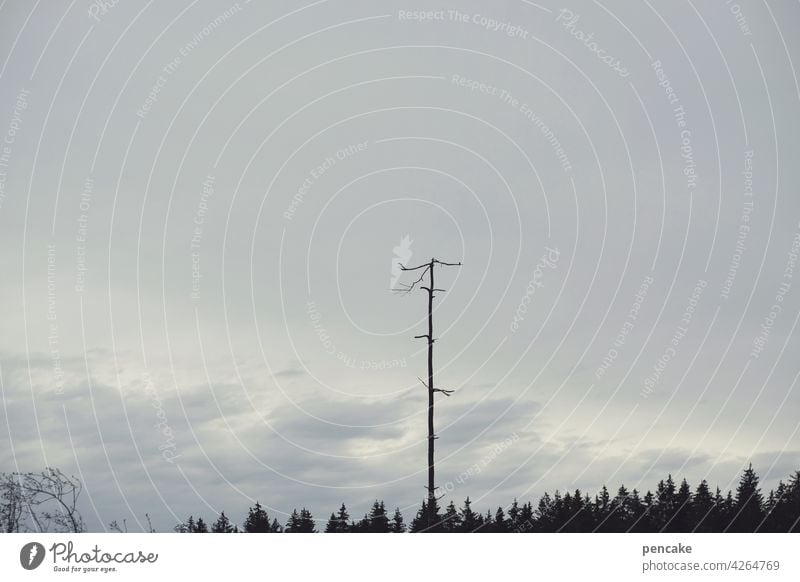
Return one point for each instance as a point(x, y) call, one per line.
point(427, 269)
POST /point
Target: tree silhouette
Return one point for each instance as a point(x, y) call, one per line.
point(545, 513)
point(223, 525)
point(785, 515)
point(726, 513)
point(701, 513)
point(488, 523)
point(666, 502)
point(43, 502)
point(790, 504)
point(397, 525)
point(501, 524)
point(185, 526)
point(526, 518)
point(428, 519)
point(679, 521)
point(378, 520)
point(647, 520)
point(430, 515)
point(748, 509)
point(293, 525)
point(339, 522)
point(513, 516)
point(636, 511)
point(782, 507)
point(192, 526)
point(470, 521)
point(301, 522)
point(619, 517)
point(669, 509)
point(451, 520)
point(257, 520)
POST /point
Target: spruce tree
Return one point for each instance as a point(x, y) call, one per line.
point(526, 519)
point(378, 521)
point(701, 516)
point(790, 505)
point(645, 522)
point(565, 510)
point(636, 510)
point(293, 524)
point(300, 522)
point(748, 509)
point(784, 515)
point(770, 507)
point(665, 503)
point(306, 522)
point(257, 520)
point(333, 524)
point(338, 523)
point(602, 504)
point(513, 516)
point(679, 522)
point(428, 519)
point(488, 523)
point(545, 518)
point(469, 519)
point(361, 526)
point(717, 520)
point(188, 526)
point(451, 521)
point(725, 513)
point(500, 521)
point(397, 525)
point(420, 522)
point(223, 525)
point(583, 513)
point(619, 517)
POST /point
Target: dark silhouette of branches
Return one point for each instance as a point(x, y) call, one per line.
point(409, 287)
point(41, 502)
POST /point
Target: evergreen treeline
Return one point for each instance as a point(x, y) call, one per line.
point(671, 508)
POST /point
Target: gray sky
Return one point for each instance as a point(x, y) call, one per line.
point(203, 205)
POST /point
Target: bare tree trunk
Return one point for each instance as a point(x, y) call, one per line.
point(428, 268)
point(431, 436)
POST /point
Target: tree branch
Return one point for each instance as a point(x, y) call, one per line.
point(412, 286)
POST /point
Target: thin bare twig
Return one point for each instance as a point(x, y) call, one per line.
point(409, 288)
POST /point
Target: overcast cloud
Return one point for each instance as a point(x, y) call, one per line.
point(202, 206)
